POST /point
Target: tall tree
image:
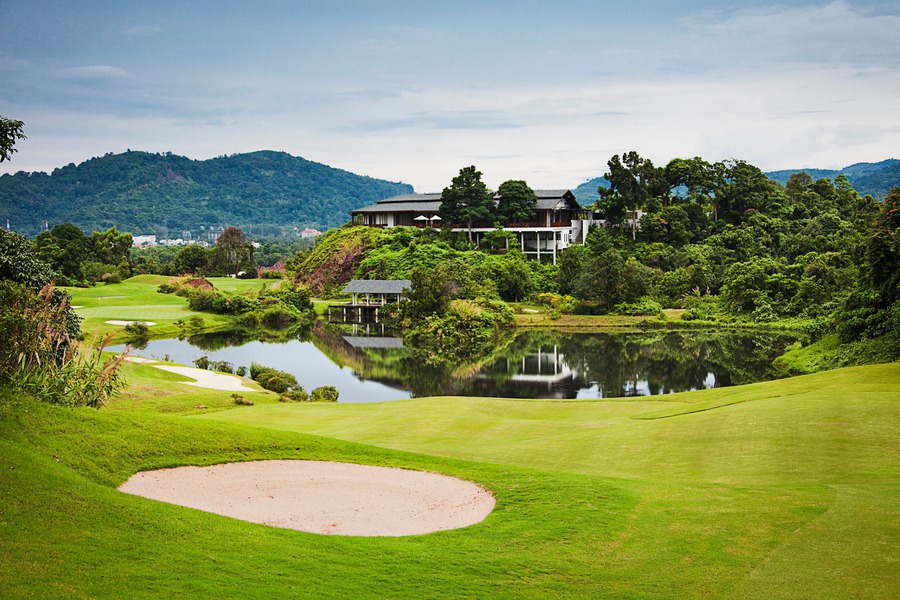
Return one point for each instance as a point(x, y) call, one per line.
point(10, 131)
point(65, 247)
point(517, 201)
point(467, 199)
point(633, 181)
point(233, 253)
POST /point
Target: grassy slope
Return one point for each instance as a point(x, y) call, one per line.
point(779, 489)
point(136, 299)
point(831, 436)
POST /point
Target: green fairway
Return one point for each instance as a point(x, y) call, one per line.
point(136, 299)
point(785, 489)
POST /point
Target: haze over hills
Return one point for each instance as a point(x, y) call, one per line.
point(876, 179)
point(143, 193)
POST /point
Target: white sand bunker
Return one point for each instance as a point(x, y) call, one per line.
point(321, 497)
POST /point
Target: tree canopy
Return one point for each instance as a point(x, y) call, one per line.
point(467, 199)
point(10, 132)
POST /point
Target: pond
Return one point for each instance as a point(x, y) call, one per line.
point(369, 365)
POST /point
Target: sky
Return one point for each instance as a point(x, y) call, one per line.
point(415, 90)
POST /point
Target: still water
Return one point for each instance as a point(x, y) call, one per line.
point(369, 365)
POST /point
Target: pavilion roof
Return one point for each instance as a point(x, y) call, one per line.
point(377, 286)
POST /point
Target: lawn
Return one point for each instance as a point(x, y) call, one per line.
point(782, 489)
point(136, 299)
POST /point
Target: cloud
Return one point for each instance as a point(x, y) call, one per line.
point(94, 73)
point(436, 120)
point(834, 33)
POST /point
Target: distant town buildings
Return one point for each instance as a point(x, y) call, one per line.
point(310, 233)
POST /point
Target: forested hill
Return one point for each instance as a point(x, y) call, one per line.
point(263, 192)
point(876, 179)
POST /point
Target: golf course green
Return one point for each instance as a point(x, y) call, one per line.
point(781, 489)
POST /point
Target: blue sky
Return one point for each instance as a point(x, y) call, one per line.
point(415, 90)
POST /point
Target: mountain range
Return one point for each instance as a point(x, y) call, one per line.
point(264, 193)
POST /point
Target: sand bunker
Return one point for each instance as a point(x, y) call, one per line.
point(208, 379)
point(321, 497)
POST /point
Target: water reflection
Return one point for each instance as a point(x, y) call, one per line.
point(368, 364)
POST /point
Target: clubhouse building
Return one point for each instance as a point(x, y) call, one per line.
point(558, 222)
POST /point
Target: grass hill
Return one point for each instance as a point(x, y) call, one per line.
point(783, 489)
point(262, 192)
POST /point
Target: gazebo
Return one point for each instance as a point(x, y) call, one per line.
point(372, 293)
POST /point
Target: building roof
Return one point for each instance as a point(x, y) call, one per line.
point(373, 342)
point(425, 203)
point(377, 286)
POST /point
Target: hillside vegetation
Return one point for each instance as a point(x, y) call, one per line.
point(875, 179)
point(142, 193)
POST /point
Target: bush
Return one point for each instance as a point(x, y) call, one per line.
point(326, 393)
point(273, 379)
point(202, 362)
point(297, 395)
point(271, 275)
point(643, 306)
point(137, 329)
point(38, 356)
point(240, 400)
point(166, 288)
point(222, 366)
point(241, 371)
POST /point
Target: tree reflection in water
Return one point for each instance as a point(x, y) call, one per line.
point(369, 363)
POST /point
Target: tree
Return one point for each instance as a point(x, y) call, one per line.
point(233, 253)
point(467, 199)
point(191, 259)
point(65, 248)
point(633, 181)
point(883, 250)
point(10, 131)
point(517, 201)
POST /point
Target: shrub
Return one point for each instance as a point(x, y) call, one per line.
point(137, 329)
point(273, 379)
point(241, 371)
point(221, 366)
point(643, 306)
point(240, 400)
point(202, 362)
point(326, 393)
point(166, 288)
point(297, 395)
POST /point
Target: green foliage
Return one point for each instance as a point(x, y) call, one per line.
point(38, 356)
point(166, 194)
point(11, 131)
point(277, 381)
point(516, 202)
point(325, 393)
point(467, 199)
point(642, 306)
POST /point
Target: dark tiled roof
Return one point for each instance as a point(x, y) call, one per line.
point(409, 205)
point(377, 286)
point(373, 342)
point(546, 200)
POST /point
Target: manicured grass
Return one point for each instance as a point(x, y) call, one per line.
point(783, 489)
point(136, 299)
